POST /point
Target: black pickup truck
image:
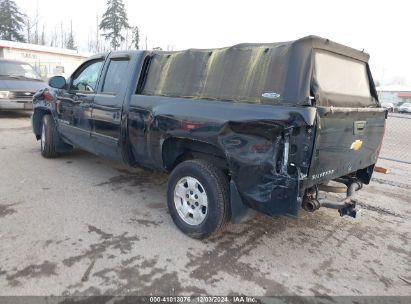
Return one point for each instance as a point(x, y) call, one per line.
point(250, 127)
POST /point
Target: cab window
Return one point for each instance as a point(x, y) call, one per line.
point(85, 79)
point(114, 76)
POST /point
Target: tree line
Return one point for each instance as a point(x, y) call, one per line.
point(113, 27)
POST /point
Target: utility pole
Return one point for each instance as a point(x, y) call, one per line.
point(146, 43)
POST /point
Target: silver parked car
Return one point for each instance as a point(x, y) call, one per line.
point(405, 108)
point(388, 105)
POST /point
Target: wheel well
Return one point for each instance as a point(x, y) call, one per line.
point(37, 117)
point(176, 150)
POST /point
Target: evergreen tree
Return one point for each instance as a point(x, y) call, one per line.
point(113, 22)
point(70, 40)
point(11, 21)
point(136, 38)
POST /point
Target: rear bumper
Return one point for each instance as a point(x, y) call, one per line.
point(7, 104)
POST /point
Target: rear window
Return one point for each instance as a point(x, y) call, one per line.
point(341, 75)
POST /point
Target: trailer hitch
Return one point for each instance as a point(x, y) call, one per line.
point(349, 210)
point(347, 206)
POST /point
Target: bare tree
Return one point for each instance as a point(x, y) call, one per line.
point(36, 25)
point(62, 35)
point(94, 43)
point(54, 38)
point(43, 35)
point(29, 27)
point(97, 44)
point(397, 79)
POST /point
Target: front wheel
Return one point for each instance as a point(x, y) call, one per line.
point(48, 148)
point(198, 198)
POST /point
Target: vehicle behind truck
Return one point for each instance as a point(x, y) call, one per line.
point(252, 127)
point(18, 83)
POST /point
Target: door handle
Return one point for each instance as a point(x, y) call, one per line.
point(81, 98)
point(81, 95)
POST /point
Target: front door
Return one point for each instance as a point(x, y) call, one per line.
point(74, 105)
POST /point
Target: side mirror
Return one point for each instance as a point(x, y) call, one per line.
point(57, 82)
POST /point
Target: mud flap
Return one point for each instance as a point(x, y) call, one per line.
point(284, 197)
point(277, 197)
point(240, 213)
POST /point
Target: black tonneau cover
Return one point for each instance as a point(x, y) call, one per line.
point(273, 73)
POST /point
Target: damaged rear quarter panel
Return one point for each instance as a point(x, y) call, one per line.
point(252, 138)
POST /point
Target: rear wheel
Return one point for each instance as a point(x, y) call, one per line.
point(198, 198)
point(48, 149)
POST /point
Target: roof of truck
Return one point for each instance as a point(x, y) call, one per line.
point(279, 72)
point(308, 42)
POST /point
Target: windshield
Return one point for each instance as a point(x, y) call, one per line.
point(18, 70)
point(341, 75)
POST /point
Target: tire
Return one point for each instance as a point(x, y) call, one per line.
point(47, 144)
point(198, 198)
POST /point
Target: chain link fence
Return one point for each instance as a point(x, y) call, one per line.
point(397, 139)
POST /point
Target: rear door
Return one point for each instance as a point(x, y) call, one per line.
point(350, 123)
point(107, 105)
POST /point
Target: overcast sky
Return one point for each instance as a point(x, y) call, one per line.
point(382, 28)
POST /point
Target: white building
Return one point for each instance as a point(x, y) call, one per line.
point(48, 61)
point(395, 94)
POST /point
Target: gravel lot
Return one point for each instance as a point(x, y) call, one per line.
point(60, 218)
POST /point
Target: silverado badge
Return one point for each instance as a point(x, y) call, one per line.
point(356, 145)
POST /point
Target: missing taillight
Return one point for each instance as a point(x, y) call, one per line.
point(47, 96)
point(188, 126)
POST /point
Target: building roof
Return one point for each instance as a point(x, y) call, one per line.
point(42, 49)
point(12, 60)
point(394, 88)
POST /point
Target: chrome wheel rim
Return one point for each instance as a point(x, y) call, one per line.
point(190, 199)
point(43, 137)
